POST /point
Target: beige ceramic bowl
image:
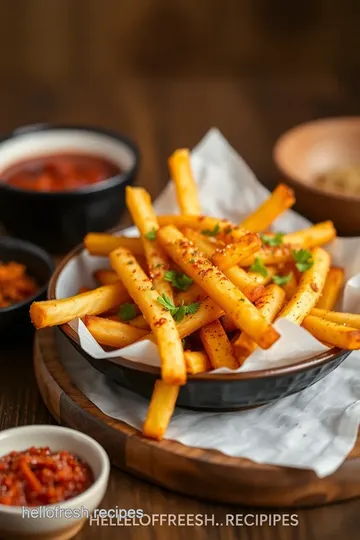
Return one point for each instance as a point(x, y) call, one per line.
point(15, 523)
point(310, 149)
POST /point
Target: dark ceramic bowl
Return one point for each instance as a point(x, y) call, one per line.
point(313, 148)
point(59, 221)
point(217, 392)
point(15, 320)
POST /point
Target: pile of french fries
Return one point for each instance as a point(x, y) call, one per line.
point(205, 290)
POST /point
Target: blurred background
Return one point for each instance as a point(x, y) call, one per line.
point(164, 71)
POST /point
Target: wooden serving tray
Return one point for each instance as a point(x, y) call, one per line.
point(205, 474)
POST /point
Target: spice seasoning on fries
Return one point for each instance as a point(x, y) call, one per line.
point(15, 284)
point(219, 284)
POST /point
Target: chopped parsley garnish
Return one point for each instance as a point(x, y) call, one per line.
point(151, 235)
point(127, 312)
point(177, 312)
point(272, 240)
point(282, 280)
point(303, 259)
point(192, 261)
point(258, 267)
point(179, 280)
point(211, 232)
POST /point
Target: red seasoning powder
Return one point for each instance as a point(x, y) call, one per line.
point(38, 477)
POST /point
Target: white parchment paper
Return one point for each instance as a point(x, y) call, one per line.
point(314, 429)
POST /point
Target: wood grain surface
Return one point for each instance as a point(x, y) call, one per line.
point(163, 73)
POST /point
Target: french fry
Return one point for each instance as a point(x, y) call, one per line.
point(338, 335)
point(217, 345)
point(217, 286)
point(269, 306)
point(94, 302)
point(139, 205)
point(141, 289)
point(112, 333)
point(260, 279)
point(233, 254)
point(347, 319)
point(290, 287)
point(106, 277)
point(102, 244)
point(281, 199)
point(193, 294)
point(210, 226)
point(237, 276)
point(197, 362)
point(160, 411)
point(310, 287)
point(186, 190)
point(228, 324)
point(332, 288)
point(139, 322)
point(315, 236)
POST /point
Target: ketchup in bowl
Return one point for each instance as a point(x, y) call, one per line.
point(38, 477)
point(59, 172)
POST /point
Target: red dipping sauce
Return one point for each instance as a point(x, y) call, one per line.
point(59, 172)
point(38, 477)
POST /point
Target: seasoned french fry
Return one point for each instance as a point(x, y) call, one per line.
point(269, 306)
point(260, 279)
point(217, 345)
point(233, 254)
point(193, 294)
point(344, 337)
point(315, 236)
point(106, 277)
point(140, 322)
point(209, 226)
point(160, 411)
point(185, 185)
point(237, 276)
point(197, 362)
point(228, 324)
point(112, 333)
point(310, 287)
point(348, 319)
point(100, 300)
point(102, 244)
point(218, 286)
point(140, 288)
point(139, 205)
point(290, 287)
point(281, 199)
point(332, 288)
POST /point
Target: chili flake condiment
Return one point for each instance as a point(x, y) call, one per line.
point(38, 477)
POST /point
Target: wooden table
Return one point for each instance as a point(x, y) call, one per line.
point(20, 403)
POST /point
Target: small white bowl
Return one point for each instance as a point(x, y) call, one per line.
point(13, 523)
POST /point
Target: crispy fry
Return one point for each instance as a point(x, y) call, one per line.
point(291, 286)
point(260, 279)
point(344, 337)
point(105, 276)
point(218, 346)
point(315, 236)
point(269, 306)
point(281, 199)
point(193, 294)
point(100, 300)
point(139, 322)
point(103, 244)
point(233, 254)
point(348, 319)
point(218, 286)
point(310, 287)
point(185, 185)
point(113, 333)
point(228, 324)
point(197, 362)
point(160, 411)
point(139, 205)
point(140, 288)
point(332, 288)
point(237, 276)
point(220, 229)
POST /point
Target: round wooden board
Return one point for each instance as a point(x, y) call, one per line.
point(205, 474)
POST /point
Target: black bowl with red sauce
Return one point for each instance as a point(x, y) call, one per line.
point(58, 183)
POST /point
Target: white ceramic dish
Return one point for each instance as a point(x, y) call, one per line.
point(13, 523)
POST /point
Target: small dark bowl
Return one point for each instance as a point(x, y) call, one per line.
point(15, 319)
point(215, 392)
point(58, 221)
